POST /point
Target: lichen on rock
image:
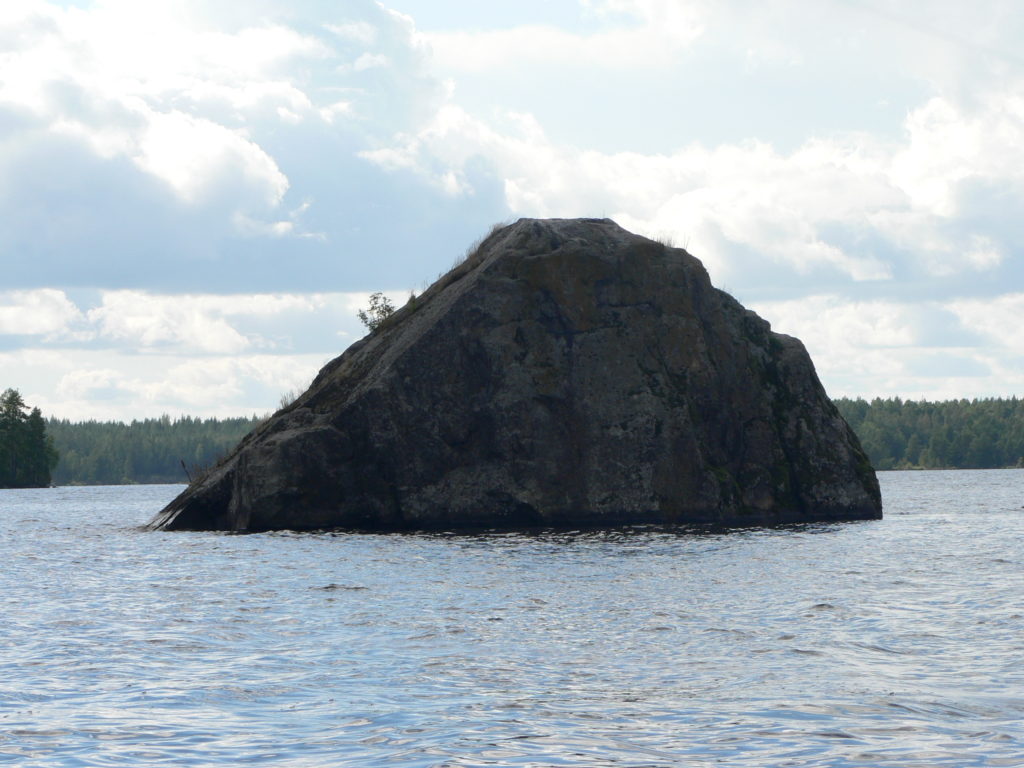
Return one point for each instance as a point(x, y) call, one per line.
point(568, 373)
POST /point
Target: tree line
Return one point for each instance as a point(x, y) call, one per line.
point(27, 453)
point(895, 433)
point(952, 434)
point(162, 450)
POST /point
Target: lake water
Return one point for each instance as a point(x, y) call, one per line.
point(897, 642)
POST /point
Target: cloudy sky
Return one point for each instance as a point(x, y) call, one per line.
point(197, 195)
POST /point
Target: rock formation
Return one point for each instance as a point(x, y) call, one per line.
point(568, 373)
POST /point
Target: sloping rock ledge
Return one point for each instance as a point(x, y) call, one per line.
point(567, 374)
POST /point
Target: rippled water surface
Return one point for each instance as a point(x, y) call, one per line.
point(891, 643)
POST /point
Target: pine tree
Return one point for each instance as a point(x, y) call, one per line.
point(27, 454)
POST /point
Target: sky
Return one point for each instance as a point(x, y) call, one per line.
point(196, 196)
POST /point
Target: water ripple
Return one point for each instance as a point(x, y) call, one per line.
point(888, 643)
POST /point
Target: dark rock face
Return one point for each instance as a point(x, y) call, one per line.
point(568, 373)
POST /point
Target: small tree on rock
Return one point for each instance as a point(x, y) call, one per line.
point(380, 309)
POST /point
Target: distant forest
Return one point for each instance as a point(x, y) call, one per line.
point(149, 451)
point(953, 434)
point(897, 434)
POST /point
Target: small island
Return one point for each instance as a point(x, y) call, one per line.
point(568, 373)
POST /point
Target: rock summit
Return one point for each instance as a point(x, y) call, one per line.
point(568, 373)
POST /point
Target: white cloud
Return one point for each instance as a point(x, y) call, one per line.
point(188, 324)
point(206, 324)
point(193, 154)
point(183, 133)
point(231, 180)
point(27, 358)
point(225, 383)
point(152, 321)
point(479, 52)
point(853, 203)
point(110, 385)
point(369, 61)
point(997, 318)
point(196, 382)
point(747, 195)
point(948, 145)
point(46, 311)
point(916, 350)
point(840, 325)
point(104, 76)
point(360, 32)
point(982, 253)
point(656, 32)
point(89, 384)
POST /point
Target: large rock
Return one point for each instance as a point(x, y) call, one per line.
point(568, 373)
